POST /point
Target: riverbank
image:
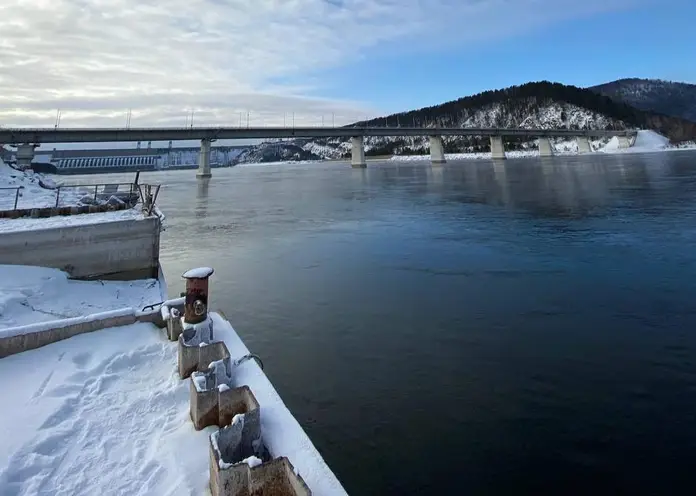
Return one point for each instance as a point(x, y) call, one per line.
point(115, 395)
point(97, 406)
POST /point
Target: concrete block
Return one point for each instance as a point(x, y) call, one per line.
point(90, 250)
point(174, 326)
point(52, 332)
point(197, 349)
point(240, 439)
point(214, 401)
point(274, 478)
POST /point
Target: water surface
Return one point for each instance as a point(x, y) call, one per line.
point(477, 328)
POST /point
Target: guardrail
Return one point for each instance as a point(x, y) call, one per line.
point(17, 189)
point(103, 191)
point(103, 196)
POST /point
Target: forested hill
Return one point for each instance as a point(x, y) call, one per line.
point(541, 105)
point(655, 95)
point(517, 106)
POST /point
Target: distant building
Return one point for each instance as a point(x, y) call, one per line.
point(129, 159)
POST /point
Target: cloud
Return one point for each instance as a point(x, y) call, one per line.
point(95, 59)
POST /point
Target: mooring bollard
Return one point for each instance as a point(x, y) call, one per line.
point(196, 306)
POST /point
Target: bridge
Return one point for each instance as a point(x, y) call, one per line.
point(27, 139)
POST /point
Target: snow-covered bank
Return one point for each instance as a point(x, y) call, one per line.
point(106, 413)
point(286, 162)
point(29, 295)
point(29, 224)
point(646, 142)
point(101, 413)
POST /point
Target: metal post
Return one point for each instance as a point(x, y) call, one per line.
point(196, 302)
point(95, 193)
point(57, 195)
point(17, 197)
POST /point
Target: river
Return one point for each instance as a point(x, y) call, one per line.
point(477, 328)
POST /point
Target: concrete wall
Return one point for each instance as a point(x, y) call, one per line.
point(17, 340)
point(126, 249)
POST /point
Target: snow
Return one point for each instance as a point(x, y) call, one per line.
point(29, 224)
point(32, 295)
point(646, 142)
point(252, 461)
point(650, 139)
point(281, 432)
point(100, 413)
point(223, 387)
point(105, 412)
point(32, 194)
point(199, 273)
point(286, 162)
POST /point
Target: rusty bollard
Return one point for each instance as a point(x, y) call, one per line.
point(196, 304)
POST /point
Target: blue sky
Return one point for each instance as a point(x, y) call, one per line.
point(647, 41)
point(97, 60)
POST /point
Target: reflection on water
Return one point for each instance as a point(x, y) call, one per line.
point(522, 326)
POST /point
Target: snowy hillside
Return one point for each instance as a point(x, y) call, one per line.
point(538, 105)
point(528, 114)
point(278, 151)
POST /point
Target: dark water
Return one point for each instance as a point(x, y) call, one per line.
point(517, 328)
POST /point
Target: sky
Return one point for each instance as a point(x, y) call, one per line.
point(313, 62)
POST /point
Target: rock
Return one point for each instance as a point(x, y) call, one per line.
point(114, 201)
point(47, 183)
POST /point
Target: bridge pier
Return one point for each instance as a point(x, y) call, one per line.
point(437, 151)
point(497, 148)
point(545, 147)
point(358, 153)
point(624, 142)
point(204, 160)
point(25, 155)
point(583, 144)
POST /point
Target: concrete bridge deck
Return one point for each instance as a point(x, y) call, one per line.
point(94, 135)
point(27, 139)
